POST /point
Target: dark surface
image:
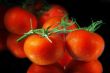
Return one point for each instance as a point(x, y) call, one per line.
point(11, 64)
point(83, 11)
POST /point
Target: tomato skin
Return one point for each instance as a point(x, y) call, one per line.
point(16, 48)
point(85, 45)
point(53, 68)
point(54, 11)
point(94, 66)
point(42, 52)
point(17, 20)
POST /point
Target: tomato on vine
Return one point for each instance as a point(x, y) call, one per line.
point(81, 43)
point(43, 52)
point(85, 45)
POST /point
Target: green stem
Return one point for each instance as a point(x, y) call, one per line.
point(35, 31)
point(25, 35)
point(74, 20)
point(94, 26)
point(48, 38)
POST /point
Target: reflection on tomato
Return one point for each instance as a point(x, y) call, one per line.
point(53, 68)
point(84, 67)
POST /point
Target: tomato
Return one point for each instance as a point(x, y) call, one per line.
point(85, 45)
point(17, 20)
point(65, 60)
point(84, 67)
point(3, 37)
point(53, 68)
point(55, 10)
point(16, 48)
point(43, 52)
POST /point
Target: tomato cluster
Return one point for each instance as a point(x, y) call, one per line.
point(51, 41)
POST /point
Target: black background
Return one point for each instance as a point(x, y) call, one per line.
point(83, 11)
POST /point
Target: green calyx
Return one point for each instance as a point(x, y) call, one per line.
point(42, 32)
point(63, 25)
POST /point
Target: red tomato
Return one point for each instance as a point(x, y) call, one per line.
point(85, 45)
point(53, 68)
point(17, 20)
point(54, 11)
point(84, 67)
point(16, 48)
point(42, 52)
point(3, 37)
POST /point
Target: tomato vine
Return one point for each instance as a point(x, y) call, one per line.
point(64, 23)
